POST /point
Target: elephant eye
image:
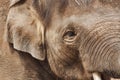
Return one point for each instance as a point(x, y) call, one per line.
point(69, 35)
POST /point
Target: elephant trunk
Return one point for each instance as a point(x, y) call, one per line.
point(100, 50)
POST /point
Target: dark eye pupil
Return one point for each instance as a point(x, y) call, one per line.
point(71, 33)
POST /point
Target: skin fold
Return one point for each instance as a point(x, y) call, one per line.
point(78, 38)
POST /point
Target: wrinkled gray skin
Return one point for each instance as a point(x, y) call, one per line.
point(77, 37)
point(87, 31)
point(15, 64)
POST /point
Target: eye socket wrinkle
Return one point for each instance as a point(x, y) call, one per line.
point(70, 32)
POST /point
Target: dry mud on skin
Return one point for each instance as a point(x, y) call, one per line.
point(4, 4)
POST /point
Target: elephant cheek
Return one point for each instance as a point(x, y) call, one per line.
point(65, 66)
point(54, 64)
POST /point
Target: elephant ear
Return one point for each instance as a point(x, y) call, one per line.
point(25, 31)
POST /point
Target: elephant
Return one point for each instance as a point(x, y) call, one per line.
point(15, 64)
point(78, 38)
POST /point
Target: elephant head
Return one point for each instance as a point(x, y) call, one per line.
point(78, 37)
point(83, 37)
point(24, 29)
point(27, 23)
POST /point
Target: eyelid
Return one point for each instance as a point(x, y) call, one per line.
point(70, 27)
point(72, 31)
point(67, 29)
point(69, 39)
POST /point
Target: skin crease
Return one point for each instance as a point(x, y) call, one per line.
point(19, 65)
point(45, 26)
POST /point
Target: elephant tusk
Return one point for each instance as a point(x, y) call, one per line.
point(96, 76)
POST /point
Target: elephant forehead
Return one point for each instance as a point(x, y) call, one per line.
point(87, 11)
point(86, 20)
